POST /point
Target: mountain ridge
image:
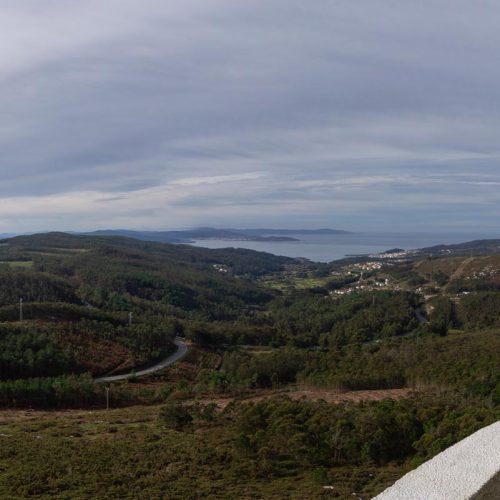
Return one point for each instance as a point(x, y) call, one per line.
point(202, 233)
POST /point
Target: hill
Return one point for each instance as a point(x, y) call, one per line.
point(78, 292)
point(105, 270)
point(476, 247)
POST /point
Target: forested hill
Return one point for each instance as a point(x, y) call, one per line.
point(241, 261)
point(476, 247)
point(120, 273)
point(78, 291)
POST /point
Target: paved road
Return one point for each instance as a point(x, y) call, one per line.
point(182, 350)
point(420, 316)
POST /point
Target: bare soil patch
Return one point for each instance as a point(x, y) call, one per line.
point(330, 396)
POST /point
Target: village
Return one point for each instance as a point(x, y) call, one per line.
point(367, 277)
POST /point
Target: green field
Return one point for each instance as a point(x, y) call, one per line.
point(283, 284)
point(24, 264)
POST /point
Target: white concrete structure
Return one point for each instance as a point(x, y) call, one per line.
point(455, 474)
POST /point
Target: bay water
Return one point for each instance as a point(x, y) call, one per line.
point(326, 248)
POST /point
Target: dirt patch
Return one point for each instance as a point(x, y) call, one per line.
point(330, 396)
point(9, 415)
point(351, 396)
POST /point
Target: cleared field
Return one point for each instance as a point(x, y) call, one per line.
point(297, 283)
point(330, 396)
point(24, 264)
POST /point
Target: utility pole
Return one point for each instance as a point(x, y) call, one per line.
point(20, 308)
point(432, 267)
point(107, 397)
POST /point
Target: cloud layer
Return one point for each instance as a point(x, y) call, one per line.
point(160, 114)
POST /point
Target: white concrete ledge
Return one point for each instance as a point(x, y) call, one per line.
point(455, 474)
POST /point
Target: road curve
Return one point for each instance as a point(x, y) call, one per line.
point(420, 316)
point(182, 350)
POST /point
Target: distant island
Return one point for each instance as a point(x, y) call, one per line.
point(210, 233)
point(263, 231)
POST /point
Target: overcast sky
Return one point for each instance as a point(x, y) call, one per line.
point(161, 114)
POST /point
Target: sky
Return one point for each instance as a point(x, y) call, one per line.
point(160, 114)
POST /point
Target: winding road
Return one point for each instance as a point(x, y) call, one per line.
point(182, 350)
point(420, 316)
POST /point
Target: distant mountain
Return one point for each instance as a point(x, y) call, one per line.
point(210, 233)
point(264, 231)
point(187, 236)
point(156, 236)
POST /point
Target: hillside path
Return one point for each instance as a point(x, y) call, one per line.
point(461, 268)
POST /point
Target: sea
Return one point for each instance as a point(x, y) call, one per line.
point(327, 248)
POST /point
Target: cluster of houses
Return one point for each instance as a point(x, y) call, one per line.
point(368, 266)
point(487, 272)
point(397, 254)
point(365, 287)
point(221, 268)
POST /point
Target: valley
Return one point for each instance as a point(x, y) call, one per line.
point(295, 379)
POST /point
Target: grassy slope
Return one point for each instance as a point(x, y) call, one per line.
point(474, 268)
point(128, 453)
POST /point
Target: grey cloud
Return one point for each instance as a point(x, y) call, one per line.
point(350, 108)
